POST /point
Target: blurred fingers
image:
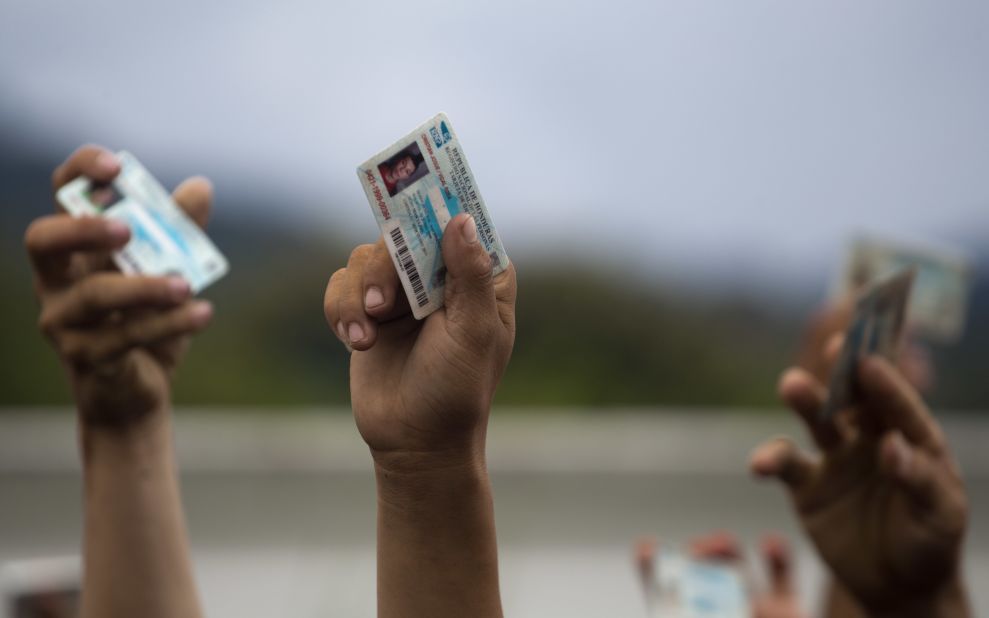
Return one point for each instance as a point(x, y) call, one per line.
point(718, 546)
point(779, 564)
point(782, 459)
point(91, 161)
point(51, 241)
point(912, 468)
point(91, 347)
point(195, 197)
point(805, 396)
point(887, 394)
point(97, 296)
point(832, 348)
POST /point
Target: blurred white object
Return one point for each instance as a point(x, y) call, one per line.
point(41, 587)
point(939, 301)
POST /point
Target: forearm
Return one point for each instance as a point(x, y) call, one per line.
point(135, 547)
point(437, 552)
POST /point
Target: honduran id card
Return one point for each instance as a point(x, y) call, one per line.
point(164, 240)
point(415, 186)
point(690, 588)
point(876, 328)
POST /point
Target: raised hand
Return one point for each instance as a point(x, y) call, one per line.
point(120, 338)
point(883, 503)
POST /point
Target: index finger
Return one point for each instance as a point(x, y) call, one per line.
point(94, 162)
point(51, 241)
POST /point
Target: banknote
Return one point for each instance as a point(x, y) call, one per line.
point(164, 240)
point(939, 301)
point(690, 588)
point(876, 328)
point(415, 186)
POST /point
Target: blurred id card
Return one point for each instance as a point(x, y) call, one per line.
point(876, 328)
point(691, 588)
point(415, 186)
point(164, 240)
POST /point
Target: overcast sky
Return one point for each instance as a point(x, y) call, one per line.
point(720, 137)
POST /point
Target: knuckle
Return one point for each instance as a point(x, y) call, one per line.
point(939, 441)
point(91, 294)
point(360, 254)
point(48, 323)
point(56, 177)
point(351, 305)
point(134, 331)
point(34, 235)
point(74, 350)
point(333, 289)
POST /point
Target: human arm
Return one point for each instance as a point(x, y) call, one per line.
point(119, 339)
point(884, 503)
point(421, 393)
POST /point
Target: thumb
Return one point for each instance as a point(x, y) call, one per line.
point(195, 196)
point(469, 295)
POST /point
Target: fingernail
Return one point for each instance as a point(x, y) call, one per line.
point(355, 332)
point(202, 311)
point(373, 297)
point(107, 162)
point(469, 230)
point(118, 230)
point(179, 287)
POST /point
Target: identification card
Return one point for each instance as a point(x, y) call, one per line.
point(164, 240)
point(415, 187)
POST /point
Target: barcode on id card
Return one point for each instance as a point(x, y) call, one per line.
point(409, 266)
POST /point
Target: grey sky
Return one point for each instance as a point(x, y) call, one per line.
point(718, 137)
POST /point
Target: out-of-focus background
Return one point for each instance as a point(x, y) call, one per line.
point(676, 183)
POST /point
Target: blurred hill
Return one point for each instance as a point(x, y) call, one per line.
point(587, 336)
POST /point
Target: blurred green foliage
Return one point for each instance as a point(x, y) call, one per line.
point(585, 337)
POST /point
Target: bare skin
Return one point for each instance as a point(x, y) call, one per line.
point(884, 503)
point(120, 340)
point(780, 599)
point(421, 393)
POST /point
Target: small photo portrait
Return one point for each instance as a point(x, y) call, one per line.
point(403, 169)
point(103, 195)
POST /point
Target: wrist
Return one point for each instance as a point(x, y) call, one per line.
point(949, 600)
point(142, 440)
point(407, 479)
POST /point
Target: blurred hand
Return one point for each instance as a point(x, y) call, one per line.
point(824, 331)
point(424, 387)
point(884, 504)
point(780, 600)
point(119, 337)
